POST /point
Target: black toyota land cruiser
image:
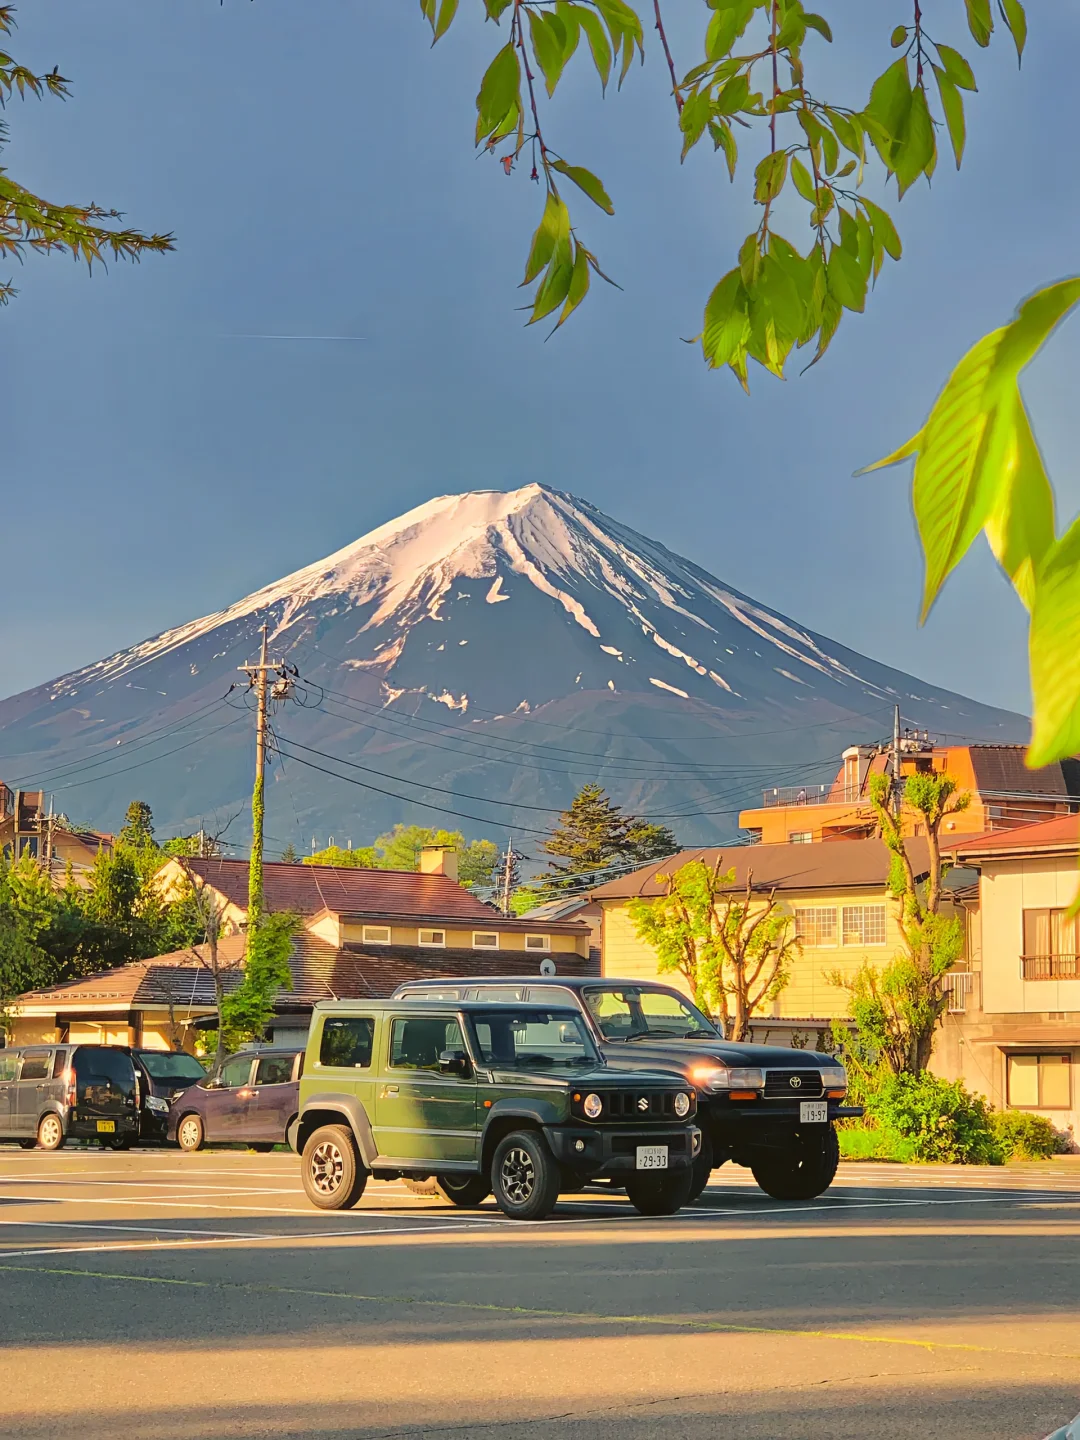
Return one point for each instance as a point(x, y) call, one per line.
point(763, 1106)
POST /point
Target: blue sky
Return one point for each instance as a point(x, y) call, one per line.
point(316, 165)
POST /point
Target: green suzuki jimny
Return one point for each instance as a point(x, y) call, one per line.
point(513, 1099)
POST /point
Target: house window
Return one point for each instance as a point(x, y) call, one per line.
point(1050, 946)
point(815, 926)
point(864, 925)
point(800, 837)
point(537, 942)
point(432, 937)
point(485, 940)
point(1039, 1082)
point(376, 934)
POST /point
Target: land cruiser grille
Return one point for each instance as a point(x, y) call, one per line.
point(626, 1105)
point(793, 1085)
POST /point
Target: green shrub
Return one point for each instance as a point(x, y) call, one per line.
point(1026, 1137)
point(941, 1118)
point(860, 1142)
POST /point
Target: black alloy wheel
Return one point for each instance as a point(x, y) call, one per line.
point(524, 1176)
point(464, 1191)
point(801, 1173)
point(332, 1171)
point(660, 1194)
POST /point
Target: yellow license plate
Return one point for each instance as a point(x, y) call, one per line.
point(106, 1127)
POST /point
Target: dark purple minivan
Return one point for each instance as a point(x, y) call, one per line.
point(252, 1101)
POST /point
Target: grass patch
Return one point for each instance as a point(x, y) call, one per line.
point(860, 1142)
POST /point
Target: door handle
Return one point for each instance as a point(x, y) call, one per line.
point(389, 1090)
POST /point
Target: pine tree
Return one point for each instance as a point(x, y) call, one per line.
point(288, 855)
point(594, 835)
point(138, 831)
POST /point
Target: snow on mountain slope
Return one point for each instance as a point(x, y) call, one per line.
point(473, 629)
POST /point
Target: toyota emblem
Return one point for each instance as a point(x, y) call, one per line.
point(643, 1103)
point(795, 1082)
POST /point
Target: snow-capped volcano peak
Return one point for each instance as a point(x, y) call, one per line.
point(476, 611)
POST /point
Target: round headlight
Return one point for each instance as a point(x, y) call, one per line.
point(592, 1105)
point(682, 1105)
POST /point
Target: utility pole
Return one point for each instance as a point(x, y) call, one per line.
point(896, 781)
point(281, 689)
point(508, 877)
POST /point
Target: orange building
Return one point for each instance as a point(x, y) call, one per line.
point(1004, 792)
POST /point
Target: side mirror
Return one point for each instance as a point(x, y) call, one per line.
point(454, 1062)
point(214, 1083)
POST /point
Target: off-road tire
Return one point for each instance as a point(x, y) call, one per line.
point(660, 1194)
point(50, 1132)
point(702, 1168)
point(331, 1169)
point(191, 1133)
point(802, 1173)
point(524, 1176)
point(428, 1186)
point(464, 1191)
point(115, 1142)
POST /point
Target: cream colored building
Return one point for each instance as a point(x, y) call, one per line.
point(834, 894)
point(361, 932)
point(1014, 1034)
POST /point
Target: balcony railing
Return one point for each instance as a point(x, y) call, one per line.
point(1050, 967)
point(811, 795)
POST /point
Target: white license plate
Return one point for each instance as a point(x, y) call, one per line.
point(813, 1112)
point(652, 1157)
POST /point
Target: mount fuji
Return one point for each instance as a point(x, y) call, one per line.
point(471, 664)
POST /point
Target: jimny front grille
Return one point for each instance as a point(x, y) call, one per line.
point(640, 1105)
point(793, 1085)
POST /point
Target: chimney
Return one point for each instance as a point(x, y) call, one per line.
point(439, 860)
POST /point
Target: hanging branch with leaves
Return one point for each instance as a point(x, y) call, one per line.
point(28, 222)
point(753, 76)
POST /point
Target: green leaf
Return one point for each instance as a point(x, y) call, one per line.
point(447, 11)
point(1054, 648)
point(968, 445)
point(818, 23)
point(598, 42)
point(1021, 526)
point(571, 24)
point(899, 35)
point(585, 180)
point(803, 180)
point(847, 283)
point(769, 176)
point(733, 96)
point(953, 105)
point(916, 150)
point(499, 91)
point(548, 35)
point(727, 322)
point(555, 286)
point(883, 228)
point(725, 27)
point(956, 67)
point(495, 8)
point(553, 230)
point(980, 21)
point(579, 284)
point(890, 109)
point(1013, 14)
point(724, 140)
point(693, 117)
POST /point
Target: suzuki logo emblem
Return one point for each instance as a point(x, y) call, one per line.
point(795, 1082)
point(643, 1103)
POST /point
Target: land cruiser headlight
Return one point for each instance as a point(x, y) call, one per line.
point(720, 1077)
point(682, 1105)
point(592, 1105)
point(157, 1104)
point(834, 1079)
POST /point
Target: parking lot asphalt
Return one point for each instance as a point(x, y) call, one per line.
point(153, 1294)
